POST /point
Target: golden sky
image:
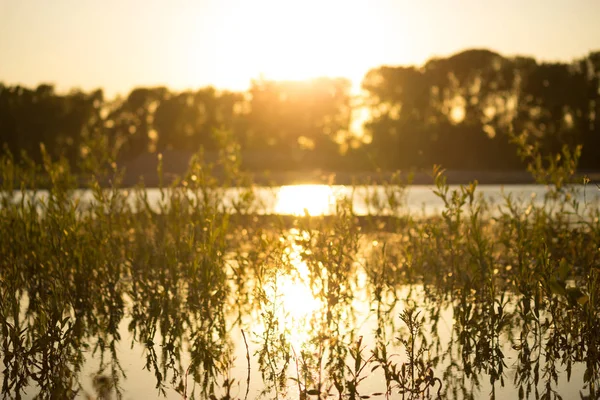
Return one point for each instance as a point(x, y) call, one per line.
point(120, 44)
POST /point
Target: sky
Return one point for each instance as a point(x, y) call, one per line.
point(121, 44)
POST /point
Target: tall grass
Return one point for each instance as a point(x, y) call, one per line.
point(448, 296)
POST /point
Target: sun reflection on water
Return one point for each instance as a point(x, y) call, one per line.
point(299, 305)
point(288, 293)
point(298, 299)
point(298, 199)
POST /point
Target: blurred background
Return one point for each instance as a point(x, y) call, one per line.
point(302, 86)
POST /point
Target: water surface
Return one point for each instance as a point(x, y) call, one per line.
point(166, 307)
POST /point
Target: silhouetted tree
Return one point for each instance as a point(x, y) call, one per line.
point(460, 111)
point(188, 120)
point(132, 121)
point(300, 122)
point(30, 117)
point(589, 68)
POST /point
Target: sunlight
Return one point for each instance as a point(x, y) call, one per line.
point(278, 40)
point(298, 301)
point(298, 199)
point(288, 295)
point(312, 38)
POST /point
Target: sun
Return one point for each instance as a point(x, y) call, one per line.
point(303, 41)
point(287, 40)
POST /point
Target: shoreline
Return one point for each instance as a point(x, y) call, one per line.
point(317, 177)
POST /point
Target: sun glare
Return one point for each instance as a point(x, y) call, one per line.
point(301, 199)
point(298, 299)
point(290, 296)
point(279, 40)
point(311, 38)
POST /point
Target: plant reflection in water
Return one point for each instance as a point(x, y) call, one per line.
point(460, 305)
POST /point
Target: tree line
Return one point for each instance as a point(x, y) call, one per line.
point(462, 111)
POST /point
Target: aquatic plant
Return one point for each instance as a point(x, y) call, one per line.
point(481, 296)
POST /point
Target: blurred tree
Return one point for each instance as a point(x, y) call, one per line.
point(401, 116)
point(589, 68)
point(458, 111)
point(30, 117)
point(187, 121)
point(131, 123)
point(301, 123)
point(474, 91)
point(553, 100)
